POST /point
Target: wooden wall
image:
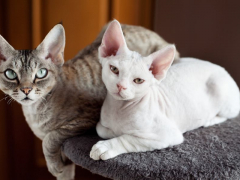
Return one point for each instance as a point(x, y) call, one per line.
point(84, 19)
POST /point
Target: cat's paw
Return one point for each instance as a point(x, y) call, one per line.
point(103, 150)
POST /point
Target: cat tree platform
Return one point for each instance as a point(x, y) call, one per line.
point(207, 153)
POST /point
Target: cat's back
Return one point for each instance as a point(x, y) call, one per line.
point(189, 62)
point(192, 76)
point(192, 68)
point(143, 40)
point(84, 72)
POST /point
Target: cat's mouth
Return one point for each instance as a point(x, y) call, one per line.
point(27, 99)
point(121, 96)
point(118, 94)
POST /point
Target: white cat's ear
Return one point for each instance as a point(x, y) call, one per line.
point(160, 61)
point(52, 47)
point(6, 49)
point(113, 41)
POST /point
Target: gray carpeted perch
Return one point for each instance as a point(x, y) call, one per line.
point(207, 153)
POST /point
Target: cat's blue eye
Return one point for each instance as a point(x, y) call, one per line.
point(42, 73)
point(10, 74)
point(138, 81)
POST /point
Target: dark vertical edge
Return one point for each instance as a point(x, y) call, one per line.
point(155, 6)
point(1, 16)
point(153, 10)
point(9, 164)
point(145, 11)
point(110, 13)
point(4, 156)
point(4, 19)
point(44, 29)
point(31, 23)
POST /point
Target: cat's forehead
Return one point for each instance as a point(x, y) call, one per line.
point(25, 59)
point(130, 59)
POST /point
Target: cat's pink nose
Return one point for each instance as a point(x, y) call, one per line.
point(26, 90)
point(120, 87)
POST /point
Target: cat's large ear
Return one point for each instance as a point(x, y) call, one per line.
point(113, 41)
point(6, 49)
point(160, 61)
point(52, 47)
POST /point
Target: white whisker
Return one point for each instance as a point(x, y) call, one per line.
point(9, 101)
point(5, 98)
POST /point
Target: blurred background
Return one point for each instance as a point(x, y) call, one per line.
point(208, 30)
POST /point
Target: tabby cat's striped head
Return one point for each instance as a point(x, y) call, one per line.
point(29, 75)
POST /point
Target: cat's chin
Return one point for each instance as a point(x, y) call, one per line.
point(26, 101)
point(118, 96)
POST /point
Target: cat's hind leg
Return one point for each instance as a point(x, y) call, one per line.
point(215, 120)
point(224, 94)
point(68, 172)
point(56, 161)
point(104, 132)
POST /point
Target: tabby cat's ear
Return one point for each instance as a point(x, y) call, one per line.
point(53, 45)
point(160, 61)
point(6, 49)
point(113, 41)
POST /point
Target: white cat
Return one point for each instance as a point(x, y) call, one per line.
point(149, 105)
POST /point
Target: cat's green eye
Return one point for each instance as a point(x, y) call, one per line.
point(42, 73)
point(138, 81)
point(114, 69)
point(10, 74)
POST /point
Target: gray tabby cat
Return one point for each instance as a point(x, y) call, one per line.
point(61, 100)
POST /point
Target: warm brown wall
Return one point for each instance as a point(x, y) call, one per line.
point(204, 29)
point(82, 21)
point(134, 12)
point(87, 17)
point(17, 19)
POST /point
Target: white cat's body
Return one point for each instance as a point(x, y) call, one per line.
point(195, 93)
point(154, 113)
point(192, 95)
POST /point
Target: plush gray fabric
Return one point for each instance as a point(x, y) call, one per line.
point(207, 153)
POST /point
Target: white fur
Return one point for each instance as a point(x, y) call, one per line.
point(155, 114)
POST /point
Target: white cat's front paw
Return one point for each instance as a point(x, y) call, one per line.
point(103, 150)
